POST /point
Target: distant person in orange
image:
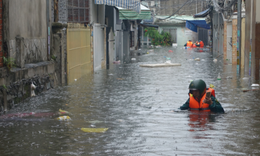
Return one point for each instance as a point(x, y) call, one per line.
point(188, 44)
point(201, 44)
point(197, 44)
point(194, 45)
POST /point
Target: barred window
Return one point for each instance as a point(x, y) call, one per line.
point(78, 11)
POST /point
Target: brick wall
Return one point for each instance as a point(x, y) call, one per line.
point(1, 32)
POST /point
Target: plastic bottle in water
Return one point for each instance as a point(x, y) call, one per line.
point(219, 77)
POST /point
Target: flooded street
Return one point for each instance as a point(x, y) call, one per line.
point(139, 106)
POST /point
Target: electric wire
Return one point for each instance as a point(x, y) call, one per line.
point(175, 11)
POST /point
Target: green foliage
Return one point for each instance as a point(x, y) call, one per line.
point(9, 62)
point(53, 57)
point(163, 39)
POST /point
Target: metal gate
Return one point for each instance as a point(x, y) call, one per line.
point(203, 35)
point(78, 52)
point(218, 34)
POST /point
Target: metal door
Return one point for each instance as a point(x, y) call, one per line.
point(78, 52)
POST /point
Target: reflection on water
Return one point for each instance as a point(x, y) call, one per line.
point(139, 106)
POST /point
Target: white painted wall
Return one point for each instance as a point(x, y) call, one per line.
point(98, 46)
point(97, 13)
point(183, 34)
point(229, 42)
point(257, 11)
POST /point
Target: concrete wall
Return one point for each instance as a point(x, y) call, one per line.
point(27, 19)
point(183, 34)
point(243, 43)
point(99, 56)
point(168, 7)
point(97, 13)
point(63, 11)
point(1, 32)
point(234, 41)
point(256, 50)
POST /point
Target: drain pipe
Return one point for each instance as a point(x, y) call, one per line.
point(33, 87)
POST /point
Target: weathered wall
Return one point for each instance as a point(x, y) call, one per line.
point(27, 19)
point(97, 13)
point(256, 58)
point(183, 34)
point(243, 24)
point(234, 41)
point(168, 7)
point(225, 41)
point(248, 37)
point(1, 32)
point(63, 11)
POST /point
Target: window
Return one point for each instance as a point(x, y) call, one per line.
point(78, 11)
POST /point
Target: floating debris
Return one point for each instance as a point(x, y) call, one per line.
point(133, 59)
point(211, 86)
point(95, 121)
point(215, 60)
point(219, 77)
point(117, 62)
point(94, 130)
point(197, 59)
point(160, 65)
point(255, 85)
point(64, 118)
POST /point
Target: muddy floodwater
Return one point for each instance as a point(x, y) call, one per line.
point(139, 106)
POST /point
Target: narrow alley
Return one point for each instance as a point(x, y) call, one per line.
point(139, 106)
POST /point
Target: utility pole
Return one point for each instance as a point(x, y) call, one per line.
point(239, 36)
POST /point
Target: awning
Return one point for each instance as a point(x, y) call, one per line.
point(125, 14)
point(126, 4)
point(202, 14)
point(149, 25)
point(193, 24)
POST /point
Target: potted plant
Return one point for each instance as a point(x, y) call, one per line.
point(9, 62)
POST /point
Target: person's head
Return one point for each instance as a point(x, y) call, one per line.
point(197, 88)
point(190, 40)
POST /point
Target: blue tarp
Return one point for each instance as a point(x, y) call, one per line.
point(126, 4)
point(193, 24)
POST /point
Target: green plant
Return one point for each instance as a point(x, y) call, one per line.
point(54, 57)
point(9, 62)
point(163, 38)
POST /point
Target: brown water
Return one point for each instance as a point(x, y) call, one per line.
point(140, 108)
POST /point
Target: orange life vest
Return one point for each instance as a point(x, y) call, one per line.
point(194, 45)
point(195, 105)
point(201, 44)
point(189, 44)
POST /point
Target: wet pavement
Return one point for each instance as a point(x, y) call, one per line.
point(139, 106)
